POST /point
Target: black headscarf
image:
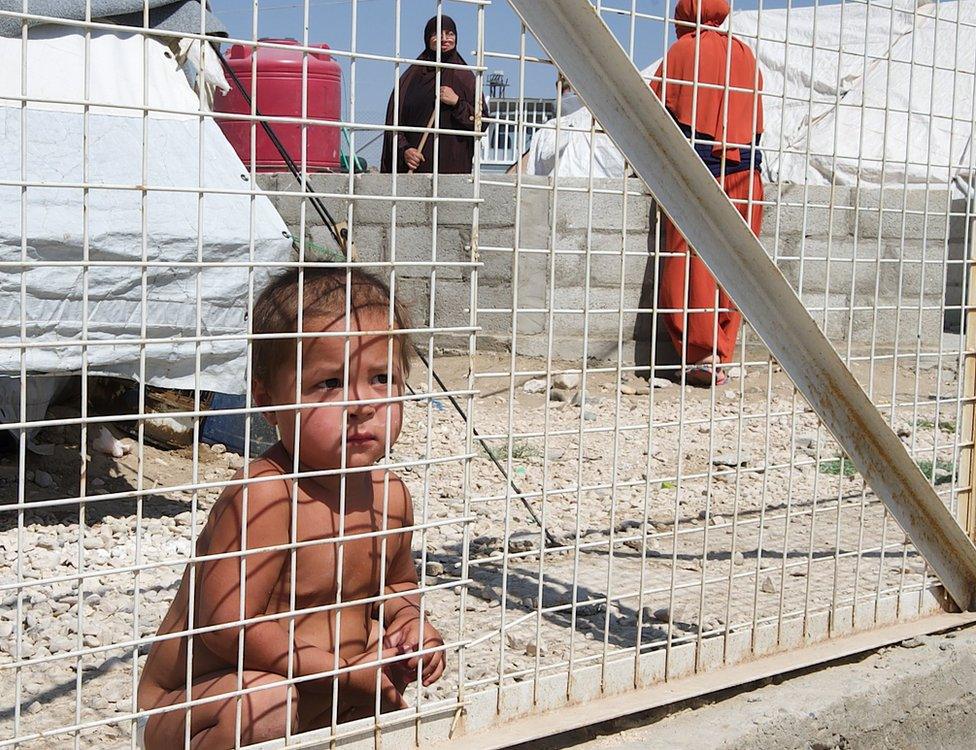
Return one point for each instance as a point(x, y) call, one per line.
point(416, 105)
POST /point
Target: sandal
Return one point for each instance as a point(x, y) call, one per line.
point(705, 375)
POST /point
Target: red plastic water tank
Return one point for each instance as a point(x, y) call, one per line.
point(279, 94)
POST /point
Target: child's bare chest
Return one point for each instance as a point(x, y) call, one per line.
point(327, 569)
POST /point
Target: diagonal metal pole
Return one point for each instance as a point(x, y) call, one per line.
point(586, 51)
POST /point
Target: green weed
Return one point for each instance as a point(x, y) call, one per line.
point(833, 467)
point(941, 473)
point(521, 450)
point(945, 425)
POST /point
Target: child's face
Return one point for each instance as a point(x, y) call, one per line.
point(372, 377)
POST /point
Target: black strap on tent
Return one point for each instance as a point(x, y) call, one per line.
point(339, 235)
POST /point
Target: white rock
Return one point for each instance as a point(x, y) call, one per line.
point(522, 541)
point(567, 380)
point(768, 587)
point(234, 461)
point(514, 642)
point(99, 703)
point(61, 644)
point(6, 629)
point(635, 544)
point(712, 622)
point(662, 383)
point(680, 614)
point(585, 399)
point(106, 443)
point(738, 558)
point(218, 449)
point(535, 385)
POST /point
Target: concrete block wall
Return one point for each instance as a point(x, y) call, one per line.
point(866, 268)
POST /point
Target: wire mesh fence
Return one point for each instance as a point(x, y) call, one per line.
point(318, 425)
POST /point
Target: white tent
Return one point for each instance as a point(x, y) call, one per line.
point(866, 94)
point(569, 137)
point(116, 223)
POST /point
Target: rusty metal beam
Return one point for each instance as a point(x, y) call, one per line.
point(582, 46)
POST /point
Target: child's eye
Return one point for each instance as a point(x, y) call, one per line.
point(331, 383)
point(382, 379)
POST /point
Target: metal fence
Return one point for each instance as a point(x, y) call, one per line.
point(511, 134)
point(546, 488)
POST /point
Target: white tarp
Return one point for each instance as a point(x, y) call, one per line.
point(838, 82)
point(169, 223)
point(574, 145)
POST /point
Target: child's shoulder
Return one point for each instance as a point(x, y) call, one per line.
point(390, 489)
point(265, 484)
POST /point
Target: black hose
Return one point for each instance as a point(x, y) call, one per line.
point(317, 204)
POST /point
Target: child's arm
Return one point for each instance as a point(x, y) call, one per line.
point(219, 594)
point(401, 615)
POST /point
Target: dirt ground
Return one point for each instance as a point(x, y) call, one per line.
point(670, 514)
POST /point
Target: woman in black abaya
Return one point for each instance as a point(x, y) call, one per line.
point(418, 94)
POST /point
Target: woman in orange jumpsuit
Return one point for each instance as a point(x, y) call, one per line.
point(720, 105)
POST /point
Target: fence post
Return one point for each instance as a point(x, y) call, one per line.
point(967, 466)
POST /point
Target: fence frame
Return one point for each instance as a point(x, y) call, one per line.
point(579, 42)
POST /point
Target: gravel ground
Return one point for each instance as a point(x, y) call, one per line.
point(720, 503)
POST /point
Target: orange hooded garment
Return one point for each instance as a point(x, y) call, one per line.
point(707, 114)
point(686, 284)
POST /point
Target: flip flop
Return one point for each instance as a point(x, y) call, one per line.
point(705, 375)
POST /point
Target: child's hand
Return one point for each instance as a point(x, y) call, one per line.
point(404, 635)
point(360, 684)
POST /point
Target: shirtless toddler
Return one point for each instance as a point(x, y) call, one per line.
point(358, 424)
